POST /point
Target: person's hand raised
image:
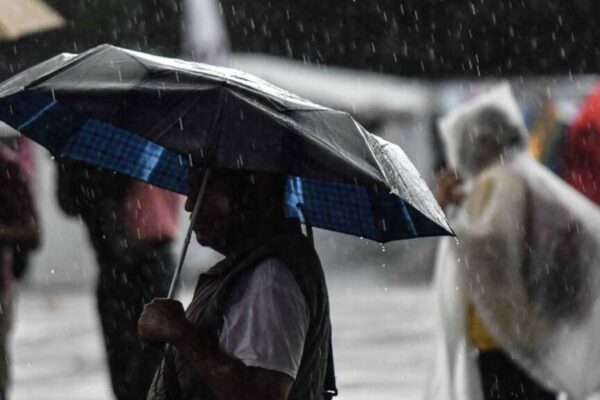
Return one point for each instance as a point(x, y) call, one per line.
point(449, 188)
point(163, 320)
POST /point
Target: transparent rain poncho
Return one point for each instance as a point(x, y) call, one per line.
point(527, 257)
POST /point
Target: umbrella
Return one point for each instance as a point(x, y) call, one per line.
point(151, 118)
point(368, 96)
point(24, 17)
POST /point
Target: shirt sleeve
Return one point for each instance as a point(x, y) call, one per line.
point(266, 319)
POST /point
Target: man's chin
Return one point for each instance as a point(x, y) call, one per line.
point(204, 239)
point(207, 240)
point(200, 238)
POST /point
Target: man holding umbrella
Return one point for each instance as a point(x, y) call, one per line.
point(258, 326)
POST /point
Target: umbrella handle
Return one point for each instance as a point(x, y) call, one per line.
point(188, 236)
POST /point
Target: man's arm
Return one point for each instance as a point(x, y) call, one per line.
point(164, 320)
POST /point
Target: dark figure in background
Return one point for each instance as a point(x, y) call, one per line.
point(258, 325)
point(131, 226)
point(19, 229)
point(22, 250)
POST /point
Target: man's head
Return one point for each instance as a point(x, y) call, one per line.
point(237, 205)
point(486, 136)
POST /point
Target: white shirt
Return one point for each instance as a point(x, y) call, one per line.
point(266, 319)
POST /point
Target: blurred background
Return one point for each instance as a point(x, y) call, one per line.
point(396, 65)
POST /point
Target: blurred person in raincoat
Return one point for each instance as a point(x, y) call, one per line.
point(519, 290)
point(582, 149)
point(18, 229)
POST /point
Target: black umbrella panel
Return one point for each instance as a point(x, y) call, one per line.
point(151, 117)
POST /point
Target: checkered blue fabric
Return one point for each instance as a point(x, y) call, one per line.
point(109, 147)
point(68, 134)
point(374, 214)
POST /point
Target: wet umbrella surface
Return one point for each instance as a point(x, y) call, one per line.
point(151, 117)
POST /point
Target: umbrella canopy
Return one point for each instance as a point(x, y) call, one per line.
point(24, 17)
point(368, 96)
point(151, 117)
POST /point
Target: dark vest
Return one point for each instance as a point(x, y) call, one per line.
point(175, 379)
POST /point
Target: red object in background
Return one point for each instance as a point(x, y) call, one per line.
point(151, 212)
point(582, 149)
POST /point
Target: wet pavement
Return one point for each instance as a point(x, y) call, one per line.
point(382, 341)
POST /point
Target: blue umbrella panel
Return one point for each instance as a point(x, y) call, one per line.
point(370, 212)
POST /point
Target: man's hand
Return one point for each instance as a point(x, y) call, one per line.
point(449, 188)
point(163, 320)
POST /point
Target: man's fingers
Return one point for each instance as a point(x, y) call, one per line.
point(161, 320)
point(166, 304)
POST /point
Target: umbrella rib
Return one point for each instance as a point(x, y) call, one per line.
point(69, 64)
point(213, 138)
point(159, 131)
point(36, 115)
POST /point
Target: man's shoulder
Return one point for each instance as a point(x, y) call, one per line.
point(288, 262)
point(269, 272)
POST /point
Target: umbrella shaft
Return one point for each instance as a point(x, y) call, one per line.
point(188, 237)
